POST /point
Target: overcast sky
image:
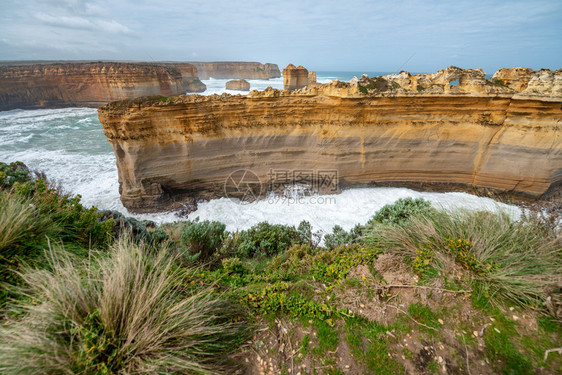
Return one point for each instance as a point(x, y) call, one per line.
point(362, 35)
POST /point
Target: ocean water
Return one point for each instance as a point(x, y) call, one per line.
point(217, 86)
point(68, 144)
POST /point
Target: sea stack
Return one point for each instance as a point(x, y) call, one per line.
point(238, 84)
point(295, 78)
point(311, 78)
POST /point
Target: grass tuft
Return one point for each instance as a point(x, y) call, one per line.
point(122, 313)
point(17, 219)
point(503, 258)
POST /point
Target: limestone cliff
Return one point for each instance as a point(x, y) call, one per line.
point(465, 137)
point(91, 84)
point(236, 69)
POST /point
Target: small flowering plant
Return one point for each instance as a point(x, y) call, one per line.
point(464, 254)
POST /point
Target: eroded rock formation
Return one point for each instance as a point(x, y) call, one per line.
point(91, 84)
point(294, 77)
point(238, 84)
point(530, 82)
point(236, 69)
point(477, 134)
point(451, 80)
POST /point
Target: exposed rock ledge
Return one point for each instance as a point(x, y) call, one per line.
point(91, 84)
point(476, 134)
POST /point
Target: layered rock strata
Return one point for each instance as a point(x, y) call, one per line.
point(466, 137)
point(91, 84)
point(294, 77)
point(236, 69)
point(238, 84)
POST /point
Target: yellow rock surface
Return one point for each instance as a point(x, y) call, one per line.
point(467, 137)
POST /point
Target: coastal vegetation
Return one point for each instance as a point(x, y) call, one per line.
point(413, 290)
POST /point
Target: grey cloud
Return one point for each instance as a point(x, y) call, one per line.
point(75, 22)
point(355, 35)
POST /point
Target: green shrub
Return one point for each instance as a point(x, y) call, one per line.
point(340, 237)
point(75, 223)
point(68, 220)
point(266, 239)
point(234, 266)
point(320, 264)
point(306, 236)
point(401, 211)
point(137, 229)
point(121, 313)
point(12, 173)
point(203, 238)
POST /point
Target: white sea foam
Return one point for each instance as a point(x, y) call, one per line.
point(68, 144)
point(217, 86)
point(346, 209)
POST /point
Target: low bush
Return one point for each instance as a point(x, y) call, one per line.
point(340, 237)
point(203, 238)
point(75, 222)
point(69, 221)
point(12, 173)
point(138, 230)
point(266, 239)
point(123, 313)
point(401, 211)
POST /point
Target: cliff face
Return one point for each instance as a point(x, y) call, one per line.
point(187, 148)
point(233, 69)
point(90, 84)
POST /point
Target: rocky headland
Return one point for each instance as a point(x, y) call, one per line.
point(451, 129)
point(236, 69)
point(91, 83)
